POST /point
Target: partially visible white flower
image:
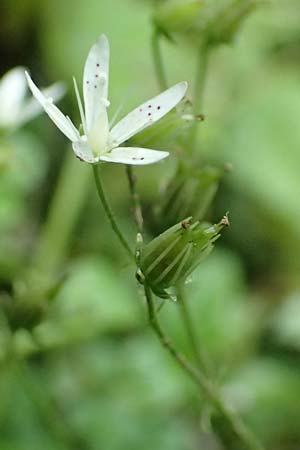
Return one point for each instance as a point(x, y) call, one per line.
point(100, 141)
point(15, 109)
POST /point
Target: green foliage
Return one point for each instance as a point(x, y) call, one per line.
point(86, 373)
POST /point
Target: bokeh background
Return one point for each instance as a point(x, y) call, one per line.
point(91, 375)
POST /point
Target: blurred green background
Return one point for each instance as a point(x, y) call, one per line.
point(91, 375)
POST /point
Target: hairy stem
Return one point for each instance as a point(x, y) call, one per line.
point(109, 212)
point(238, 426)
point(158, 61)
point(136, 203)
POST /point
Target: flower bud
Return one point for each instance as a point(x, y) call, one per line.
point(228, 20)
point(189, 193)
point(177, 15)
point(173, 255)
point(213, 22)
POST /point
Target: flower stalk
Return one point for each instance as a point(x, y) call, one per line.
point(158, 61)
point(136, 204)
point(109, 212)
point(245, 435)
point(200, 79)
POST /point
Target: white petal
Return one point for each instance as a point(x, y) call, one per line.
point(12, 93)
point(31, 108)
point(95, 80)
point(134, 155)
point(146, 114)
point(60, 120)
point(83, 151)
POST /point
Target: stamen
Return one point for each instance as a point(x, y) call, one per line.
point(71, 124)
point(120, 107)
point(81, 111)
point(105, 102)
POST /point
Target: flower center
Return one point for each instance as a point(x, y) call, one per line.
point(98, 134)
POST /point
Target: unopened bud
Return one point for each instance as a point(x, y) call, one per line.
point(177, 15)
point(227, 21)
point(173, 255)
point(189, 193)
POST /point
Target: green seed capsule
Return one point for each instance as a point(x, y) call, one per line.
point(174, 254)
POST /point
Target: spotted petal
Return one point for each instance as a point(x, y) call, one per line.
point(61, 121)
point(95, 80)
point(146, 114)
point(12, 93)
point(134, 155)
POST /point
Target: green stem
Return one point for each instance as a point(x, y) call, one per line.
point(158, 62)
point(109, 212)
point(180, 359)
point(238, 426)
point(137, 209)
point(201, 73)
point(65, 209)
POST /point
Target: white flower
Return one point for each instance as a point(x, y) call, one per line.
point(15, 109)
point(100, 142)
